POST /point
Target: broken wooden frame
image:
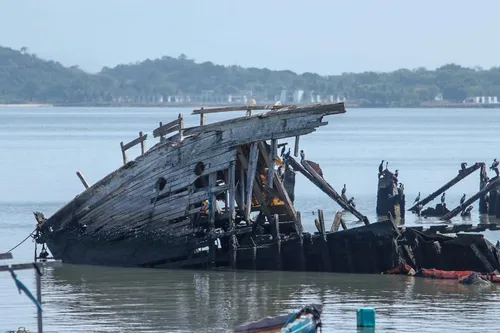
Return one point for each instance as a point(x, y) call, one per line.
point(124, 147)
point(461, 175)
point(175, 125)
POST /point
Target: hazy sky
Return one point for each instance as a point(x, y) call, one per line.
point(323, 36)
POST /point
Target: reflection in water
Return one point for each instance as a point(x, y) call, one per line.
point(148, 300)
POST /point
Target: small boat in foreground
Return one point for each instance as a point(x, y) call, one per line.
point(305, 320)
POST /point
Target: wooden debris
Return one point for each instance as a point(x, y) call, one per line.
point(310, 174)
point(473, 198)
point(241, 108)
point(461, 175)
point(82, 179)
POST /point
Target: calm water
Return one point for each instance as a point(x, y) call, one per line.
point(42, 148)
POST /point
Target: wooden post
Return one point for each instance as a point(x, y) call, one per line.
point(203, 118)
point(275, 225)
point(232, 193)
point(296, 148)
point(143, 143)
point(242, 186)
point(252, 168)
point(39, 298)
point(162, 137)
point(212, 178)
point(124, 154)
point(181, 127)
point(233, 251)
point(82, 179)
point(302, 259)
point(272, 161)
point(325, 250)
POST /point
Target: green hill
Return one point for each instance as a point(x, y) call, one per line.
point(25, 78)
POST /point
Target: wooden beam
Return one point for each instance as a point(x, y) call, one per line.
point(242, 186)
point(124, 153)
point(461, 175)
point(142, 137)
point(181, 127)
point(4, 256)
point(82, 179)
point(317, 180)
point(282, 114)
point(17, 267)
point(272, 161)
point(296, 147)
point(275, 229)
point(166, 128)
point(252, 168)
point(278, 183)
point(143, 143)
point(212, 178)
point(203, 118)
point(476, 196)
point(241, 108)
point(232, 193)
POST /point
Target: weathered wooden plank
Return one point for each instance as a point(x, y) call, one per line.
point(475, 197)
point(179, 178)
point(82, 179)
point(124, 153)
point(240, 108)
point(142, 137)
point(461, 175)
point(252, 168)
point(296, 146)
point(232, 194)
point(4, 256)
point(272, 161)
point(181, 127)
point(275, 230)
point(167, 128)
point(274, 116)
point(17, 267)
point(313, 176)
point(212, 178)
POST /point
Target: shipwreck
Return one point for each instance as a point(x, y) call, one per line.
point(222, 195)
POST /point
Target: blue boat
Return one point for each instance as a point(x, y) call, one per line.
point(305, 320)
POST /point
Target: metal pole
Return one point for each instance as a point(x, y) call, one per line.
point(39, 298)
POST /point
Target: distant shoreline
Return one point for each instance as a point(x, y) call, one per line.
point(26, 105)
point(209, 105)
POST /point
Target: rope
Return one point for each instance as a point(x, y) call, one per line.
point(24, 240)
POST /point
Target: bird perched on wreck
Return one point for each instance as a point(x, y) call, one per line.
point(351, 202)
point(417, 199)
point(494, 164)
point(443, 198)
point(466, 212)
point(381, 167)
point(344, 190)
point(302, 155)
point(401, 189)
point(462, 200)
point(283, 151)
point(287, 155)
point(463, 166)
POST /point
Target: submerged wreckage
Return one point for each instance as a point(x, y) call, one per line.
point(218, 195)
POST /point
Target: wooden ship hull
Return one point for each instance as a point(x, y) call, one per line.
point(192, 190)
point(218, 195)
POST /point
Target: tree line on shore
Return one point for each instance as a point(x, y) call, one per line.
point(26, 78)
